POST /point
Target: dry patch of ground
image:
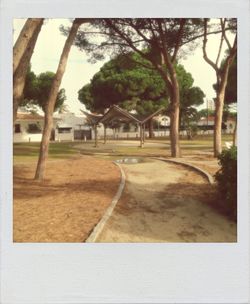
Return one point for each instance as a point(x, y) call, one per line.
point(67, 205)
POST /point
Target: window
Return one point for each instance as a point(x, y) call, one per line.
point(34, 128)
point(64, 130)
point(17, 128)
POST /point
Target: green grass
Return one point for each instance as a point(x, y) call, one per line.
point(63, 150)
point(30, 151)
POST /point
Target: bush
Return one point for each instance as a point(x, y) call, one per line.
point(226, 178)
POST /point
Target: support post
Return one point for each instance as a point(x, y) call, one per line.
point(141, 136)
point(96, 139)
point(105, 134)
point(144, 133)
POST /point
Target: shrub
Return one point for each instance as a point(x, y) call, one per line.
point(226, 178)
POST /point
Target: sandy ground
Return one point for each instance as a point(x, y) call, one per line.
point(164, 202)
point(67, 205)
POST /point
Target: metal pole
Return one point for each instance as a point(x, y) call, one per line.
point(96, 139)
point(158, 127)
point(143, 133)
point(165, 126)
point(105, 139)
point(141, 136)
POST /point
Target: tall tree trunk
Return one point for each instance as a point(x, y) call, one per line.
point(19, 76)
point(222, 78)
point(23, 40)
point(218, 123)
point(174, 131)
point(48, 123)
point(219, 104)
point(173, 88)
point(174, 118)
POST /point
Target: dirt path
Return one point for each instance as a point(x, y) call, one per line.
point(164, 202)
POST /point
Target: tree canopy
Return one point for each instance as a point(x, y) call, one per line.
point(37, 89)
point(158, 41)
point(126, 82)
point(231, 88)
point(123, 82)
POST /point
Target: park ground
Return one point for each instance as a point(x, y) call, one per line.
point(161, 202)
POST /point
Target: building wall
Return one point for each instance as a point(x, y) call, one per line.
point(126, 135)
point(75, 121)
point(24, 135)
point(64, 136)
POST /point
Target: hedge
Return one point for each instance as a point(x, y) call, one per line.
point(226, 178)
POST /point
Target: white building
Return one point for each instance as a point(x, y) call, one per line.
point(66, 127)
point(207, 123)
point(70, 127)
point(28, 127)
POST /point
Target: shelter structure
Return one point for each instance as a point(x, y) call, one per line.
point(116, 114)
point(93, 120)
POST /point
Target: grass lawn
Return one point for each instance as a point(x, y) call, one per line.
point(25, 152)
point(30, 151)
point(200, 144)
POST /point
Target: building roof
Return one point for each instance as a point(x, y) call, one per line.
point(115, 113)
point(31, 117)
point(91, 118)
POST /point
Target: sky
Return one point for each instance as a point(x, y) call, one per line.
point(79, 71)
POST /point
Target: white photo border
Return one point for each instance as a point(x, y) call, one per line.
point(123, 273)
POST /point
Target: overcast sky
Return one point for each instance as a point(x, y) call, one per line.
point(79, 72)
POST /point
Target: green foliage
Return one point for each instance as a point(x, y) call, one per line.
point(227, 180)
point(84, 95)
point(128, 82)
point(29, 150)
point(231, 88)
point(190, 97)
point(205, 112)
point(37, 89)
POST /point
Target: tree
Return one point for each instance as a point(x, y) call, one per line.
point(50, 105)
point(37, 89)
point(22, 43)
point(222, 71)
point(158, 41)
point(22, 54)
point(190, 97)
point(126, 82)
point(205, 113)
point(231, 93)
point(123, 82)
point(231, 88)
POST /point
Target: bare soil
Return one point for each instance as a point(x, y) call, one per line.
point(67, 205)
point(165, 202)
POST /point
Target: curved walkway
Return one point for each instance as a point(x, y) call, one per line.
point(165, 202)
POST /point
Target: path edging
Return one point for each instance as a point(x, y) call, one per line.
point(201, 171)
point(100, 225)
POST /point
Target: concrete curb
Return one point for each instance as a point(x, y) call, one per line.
point(100, 225)
point(191, 166)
